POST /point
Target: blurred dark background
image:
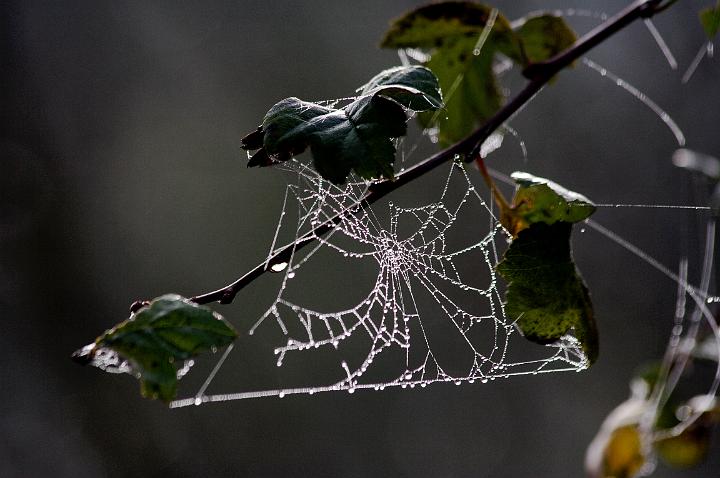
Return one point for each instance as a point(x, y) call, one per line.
point(123, 179)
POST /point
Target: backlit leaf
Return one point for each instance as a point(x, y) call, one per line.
point(155, 340)
point(461, 44)
point(541, 200)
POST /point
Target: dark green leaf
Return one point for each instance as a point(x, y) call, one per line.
point(152, 342)
point(451, 33)
point(710, 20)
point(356, 137)
point(545, 293)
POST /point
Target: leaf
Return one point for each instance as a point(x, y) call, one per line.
point(154, 339)
point(356, 137)
point(414, 87)
point(451, 33)
point(710, 20)
point(541, 200)
point(545, 293)
point(544, 36)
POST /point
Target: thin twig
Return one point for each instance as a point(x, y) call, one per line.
point(538, 74)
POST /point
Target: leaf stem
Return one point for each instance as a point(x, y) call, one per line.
point(538, 75)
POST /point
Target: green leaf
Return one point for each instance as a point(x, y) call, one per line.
point(544, 36)
point(710, 20)
point(545, 293)
point(356, 137)
point(623, 455)
point(541, 200)
point(152, 342)
point(451, 33)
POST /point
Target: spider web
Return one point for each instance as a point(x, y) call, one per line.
point(417, 265)
point(435, 282)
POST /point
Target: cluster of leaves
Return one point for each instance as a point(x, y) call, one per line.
point(155, 340)
point(546, 294)
point(460, 41)
point(356, 137)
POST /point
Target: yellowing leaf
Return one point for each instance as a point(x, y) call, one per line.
point(623, 457)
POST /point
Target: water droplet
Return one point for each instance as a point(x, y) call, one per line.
point(281, 395)
point(198, 401)
point(291, 275)
point(279, 267)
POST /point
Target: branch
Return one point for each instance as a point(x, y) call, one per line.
point(538, 75)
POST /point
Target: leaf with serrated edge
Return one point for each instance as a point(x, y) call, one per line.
point(356, 137)
point(155, 338)
point(545, 294)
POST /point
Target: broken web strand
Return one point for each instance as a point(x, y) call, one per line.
point(639, 95)
point(707, 48)
point(680, 348)
point(664, 48)
point(447, 95)
point(701, 299)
